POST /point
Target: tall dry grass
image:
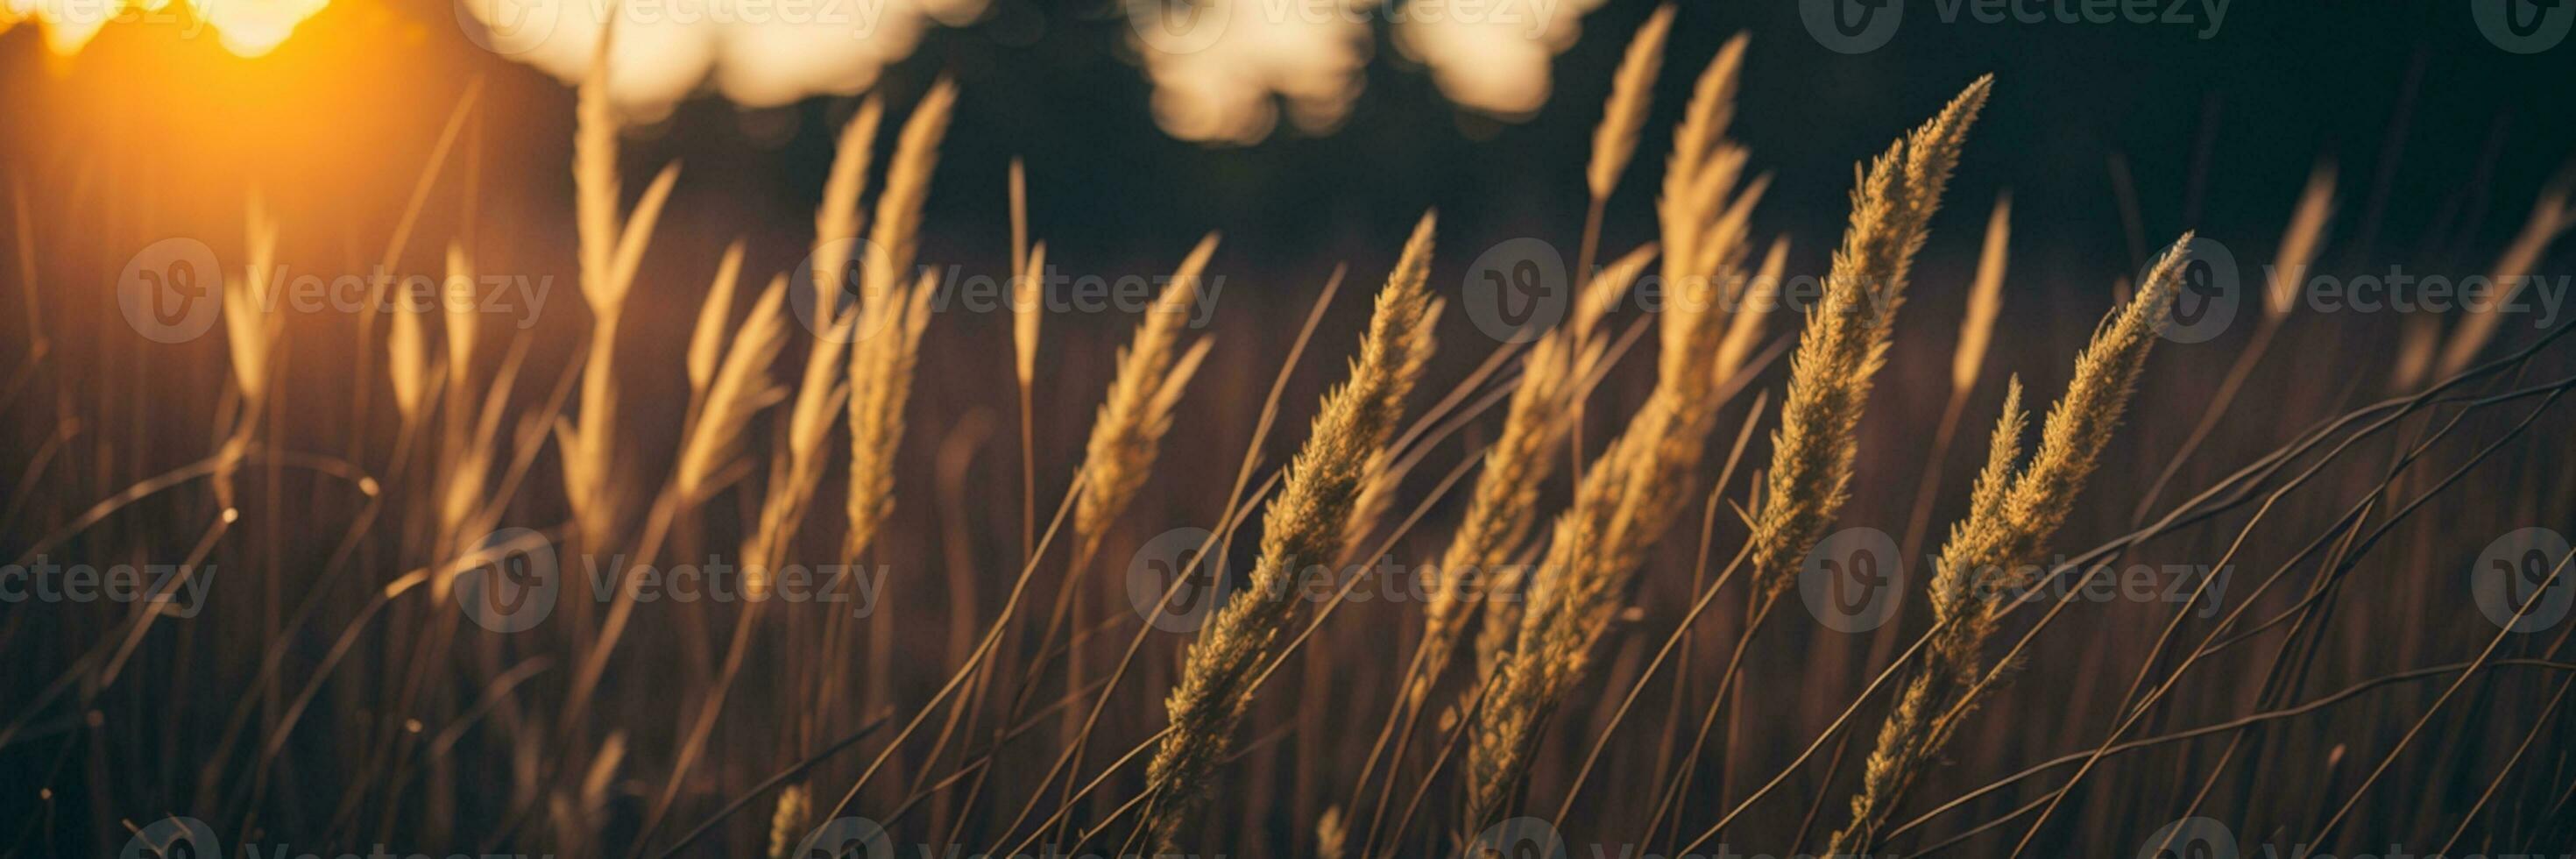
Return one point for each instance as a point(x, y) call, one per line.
point(1303, 526)
point(332, 693)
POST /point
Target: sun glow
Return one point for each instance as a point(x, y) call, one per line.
point(247, 28)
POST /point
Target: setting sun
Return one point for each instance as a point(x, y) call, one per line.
point(247, 28)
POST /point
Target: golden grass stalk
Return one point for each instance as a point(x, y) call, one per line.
point(464, 321)
point(890, 320)
point(252, 329)
point(611, 255)
point(798, 473)
point(2419, 341)
point(2013, 512)
point(706, 339)
point(2299, 244)
point(1703, 217)
point(1504, 503)
point(1635, 489)
point(881, 364)
point(409, 361)
point(1304, 525)
point(1128, 434)
point(1703, 165)
point(1967, 359)
point(1754, 304)
point(2551, 216)
point(1632, 91)
point(1626, 499)
point(1332, 834)
point(1704, 122)
point(1845, 339)
point(787, 822)
point(1985, 299)
point(740, 387)
point(1377, 489)
point(1028, 309)
point(896, 233)
point(836, 219)
point(251, 326)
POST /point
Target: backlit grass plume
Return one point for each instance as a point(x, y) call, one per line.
point(612, 250)
point(2014, 510)
point(890, 320)
point(1304, 525)
point(1152, 373)
point(1846, 337)
point(1504, 504)
point(1638, 486)
point(252, 329)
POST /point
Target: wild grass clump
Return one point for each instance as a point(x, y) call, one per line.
point(1304, 526)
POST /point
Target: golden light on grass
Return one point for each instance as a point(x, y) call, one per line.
point(671, 402)
point(246, 28)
